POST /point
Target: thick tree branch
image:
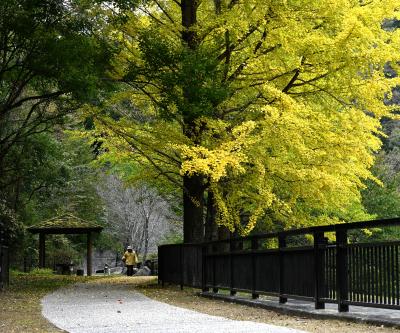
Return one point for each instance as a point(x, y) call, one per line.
point(292, 81)
point(36, 97)
point(164, 11)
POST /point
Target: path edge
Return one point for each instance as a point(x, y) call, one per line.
point(291, 311)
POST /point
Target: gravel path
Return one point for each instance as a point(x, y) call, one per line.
point(91, 308)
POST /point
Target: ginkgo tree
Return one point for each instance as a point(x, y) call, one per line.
point(271, 108)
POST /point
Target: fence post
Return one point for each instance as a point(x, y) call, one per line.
point(182, 266)
point(341, 270)
point(2, 283)
point(231, 281)
point(254, 247)
point(319, 265)
point(215, 289)
point(159, 275)
point(1, 258)
point(281, 244)
point(204, 287)
point(160, 267)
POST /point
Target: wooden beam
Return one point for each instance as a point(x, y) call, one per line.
point(60, 231)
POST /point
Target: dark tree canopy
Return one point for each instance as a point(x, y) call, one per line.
point(52, 58)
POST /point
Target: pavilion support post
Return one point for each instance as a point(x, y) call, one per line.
point(89, 254)
point(42, 250)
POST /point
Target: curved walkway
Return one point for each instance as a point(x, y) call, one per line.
point(85, 308)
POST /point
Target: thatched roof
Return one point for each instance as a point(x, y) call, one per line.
point(65, 224)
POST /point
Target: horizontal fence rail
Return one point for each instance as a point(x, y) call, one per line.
point(364, 274)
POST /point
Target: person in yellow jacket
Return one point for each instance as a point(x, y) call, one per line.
point(130, 259)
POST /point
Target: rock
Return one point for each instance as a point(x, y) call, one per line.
point(143, 271)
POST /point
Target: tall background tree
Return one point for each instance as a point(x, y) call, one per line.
point(137, 215)
point(383, 200)
point(51, 59)
point(269, 110)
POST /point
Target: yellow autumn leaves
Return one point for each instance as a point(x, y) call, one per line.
point(294, 134)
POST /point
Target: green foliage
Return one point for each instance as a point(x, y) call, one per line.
point(108, 241)
point(10, 226)
point(175, 238)
point(51, 60)
point(55, 177)
point(199, 75)
point(55, 43)
point(72, 189)
point(36, 165)
point(61, 250)
point(383, 200)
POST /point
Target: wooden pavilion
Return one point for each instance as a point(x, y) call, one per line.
point(65, 224)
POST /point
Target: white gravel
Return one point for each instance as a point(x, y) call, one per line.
point(85, 308)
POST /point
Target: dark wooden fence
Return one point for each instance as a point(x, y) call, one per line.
point(365, 274)
point(4, 267)
point(181, 264)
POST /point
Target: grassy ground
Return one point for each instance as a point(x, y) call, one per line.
point(20, 309)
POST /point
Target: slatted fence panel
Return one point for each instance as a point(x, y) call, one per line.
point(374, 273)
point(298, 268)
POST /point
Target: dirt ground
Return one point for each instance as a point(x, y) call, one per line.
point(188, 299)
point(20, 309)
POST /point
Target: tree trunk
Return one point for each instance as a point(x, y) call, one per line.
point(189, 18)
point(193, 186)
point(146, 239)
point(211, 228)
point(223, 233)
point(193, 206)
